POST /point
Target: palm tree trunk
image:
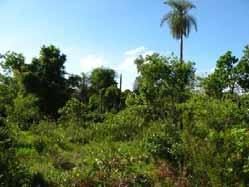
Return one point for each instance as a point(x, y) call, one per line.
point(101, 101)
point(181, 122)
point(181, 49)
point(120, 92)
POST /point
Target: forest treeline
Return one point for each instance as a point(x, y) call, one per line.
point(174, 128)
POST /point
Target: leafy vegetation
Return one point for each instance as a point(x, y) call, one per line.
point(174, 129)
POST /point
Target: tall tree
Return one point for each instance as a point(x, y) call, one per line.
point(164, 82)
point(179, 20)
point(224, 77)
point(102, 78)
point(45, 79)
point(79, 86)
point(243, 70)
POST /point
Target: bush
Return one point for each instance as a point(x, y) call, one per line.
point(214, 129)
point(163, 141)
point(12, 173)
point(25, 111)
point(211, 113)
point(124, 126)
point(73, 111)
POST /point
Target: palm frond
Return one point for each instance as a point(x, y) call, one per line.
point(188, 23)
point(178, 19)
point(180, 5)
point(174, 4)
point(192, 21)
point(165, 18)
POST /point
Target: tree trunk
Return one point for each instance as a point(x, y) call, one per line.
point(101, 101)
point(181, 60)
point(181, 49)
point(182, 160)
point(120, 94)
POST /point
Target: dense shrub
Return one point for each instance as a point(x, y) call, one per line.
point(12, 173)
point(123, 126)
point(73, 111)
point(214, 129)
point(163, 141)
point(25, 111)
point(164, 133)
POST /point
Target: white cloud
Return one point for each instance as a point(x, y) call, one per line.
point(212, 70)
point(89, 62)
point(128, 68)
point(135, 51)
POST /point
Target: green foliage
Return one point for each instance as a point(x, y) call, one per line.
point(95, 103)
point(108, 100)
point(7, 94)
point(225, 114)
point(102, 78)
point(12, 173)
point(133, 99)
point(223, 78)
point(180, 22)
point(25, 111)
point(13, 63)
point(163, 141)
point(229, 76)
point(124, 126)
point(45, 79)
point(163, 77)
point(108, 137)
point(111, 99)
point(212, 128)
point(79, 87)
point(244, 106)
point(243, 70)
point(73, 111)
point(163, 83)
point(106, 97)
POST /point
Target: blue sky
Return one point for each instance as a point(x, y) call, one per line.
point(112, 33)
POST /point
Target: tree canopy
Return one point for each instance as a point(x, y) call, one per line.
point(175, 128)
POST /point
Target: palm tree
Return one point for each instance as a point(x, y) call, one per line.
point(179, 21)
